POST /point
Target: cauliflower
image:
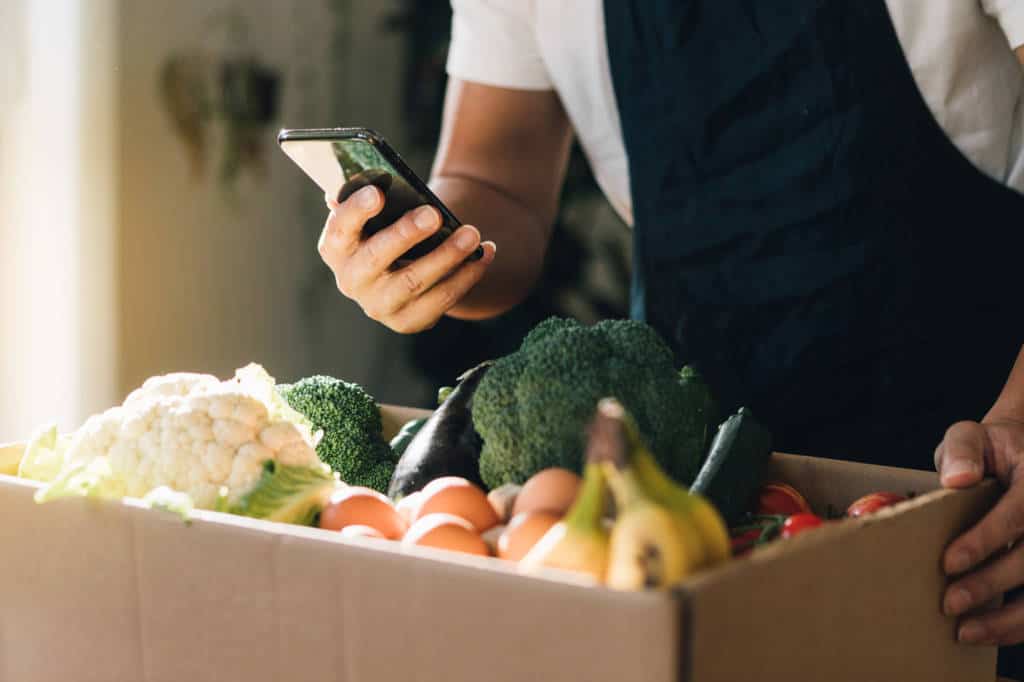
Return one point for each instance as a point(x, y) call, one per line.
point(223, 443)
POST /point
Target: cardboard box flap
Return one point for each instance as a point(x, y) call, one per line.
point(394, 417)
point(838, 605)
point(836, 483)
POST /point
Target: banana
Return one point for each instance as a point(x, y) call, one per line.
point(692, 510)
point(647, 550)
point(651, 547)
point(579, 542)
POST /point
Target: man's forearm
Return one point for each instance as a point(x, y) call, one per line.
point(1010, 404)
point(1020, 54)
point(520, 235)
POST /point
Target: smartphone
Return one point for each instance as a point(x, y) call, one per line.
point(344, 160)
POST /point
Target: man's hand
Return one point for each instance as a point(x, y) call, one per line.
point(416, 296)
point(983, 558)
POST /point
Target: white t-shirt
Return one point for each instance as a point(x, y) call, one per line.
point(960, 52)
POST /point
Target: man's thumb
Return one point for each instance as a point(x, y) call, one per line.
point(960, 458)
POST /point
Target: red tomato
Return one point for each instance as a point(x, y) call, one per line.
point(798, 523)
point(872, 503)
point(779, 498)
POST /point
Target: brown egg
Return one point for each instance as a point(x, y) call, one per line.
point(453, 495)
point(523, 532)
point(358, 506)
point(445, 531)
point(552, 490)
point(358, 531)
point(408, 505)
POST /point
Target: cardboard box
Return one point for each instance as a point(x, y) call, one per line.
point(110, 592)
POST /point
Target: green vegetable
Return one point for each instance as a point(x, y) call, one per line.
point(736, 465)
point(44, 455)
point(353, 443)
point(408, 431)
point(93, 478)
point(187, 431)
point(532, 407)
point(703, 413)
point(288, 494)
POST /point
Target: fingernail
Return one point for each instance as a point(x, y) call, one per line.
point(957, 601)
point(956, 468)
point(972, 632)
point(958, 562)
point(465, 238)
point(424, 217)
point(489, 253)
point(367, 197)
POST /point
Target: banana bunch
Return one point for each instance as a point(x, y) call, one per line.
point(661, 533)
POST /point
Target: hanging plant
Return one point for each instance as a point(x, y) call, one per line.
point(232, 90)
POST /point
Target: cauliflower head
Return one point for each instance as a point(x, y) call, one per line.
point(212, 440)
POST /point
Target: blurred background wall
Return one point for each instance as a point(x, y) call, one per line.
point(58, 208)
point(218, 271)
point(148, 222)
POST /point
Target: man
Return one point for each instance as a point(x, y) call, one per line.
point(832, 234)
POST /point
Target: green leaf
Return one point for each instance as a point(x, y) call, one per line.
point(289, 494)
point(92, 479)
point(44, 455)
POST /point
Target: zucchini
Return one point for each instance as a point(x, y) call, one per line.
point(736, 465)
point(702, 414)
point(402, 439)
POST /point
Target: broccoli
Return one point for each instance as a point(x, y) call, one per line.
point(532, 407)
point(353, 443)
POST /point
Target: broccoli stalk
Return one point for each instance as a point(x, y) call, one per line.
point(532, 407)
point(353, 443)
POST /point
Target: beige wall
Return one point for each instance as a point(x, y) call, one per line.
point(58, 204)
point(207, 281)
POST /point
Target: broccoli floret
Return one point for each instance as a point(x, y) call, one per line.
point(532, 407)
point(353, 443)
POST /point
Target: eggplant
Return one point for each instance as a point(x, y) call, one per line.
point(446, 444)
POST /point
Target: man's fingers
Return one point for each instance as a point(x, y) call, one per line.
point(340, 235)
point(376, 254)
point(424, 312)
point(960, 458)
point(1001, 526)
point(1002, 627)
point(981, 586)
point(415, 278)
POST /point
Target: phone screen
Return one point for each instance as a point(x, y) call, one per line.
point(360, 164)
point(342, 167)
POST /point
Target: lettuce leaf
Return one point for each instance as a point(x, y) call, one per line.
point(43, 458)
point(90, 479)
point(289, 494)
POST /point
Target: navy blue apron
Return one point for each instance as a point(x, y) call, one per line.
point(805, 232)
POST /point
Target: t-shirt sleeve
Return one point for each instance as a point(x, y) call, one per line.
point(1010, 15)
point(494, 43)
